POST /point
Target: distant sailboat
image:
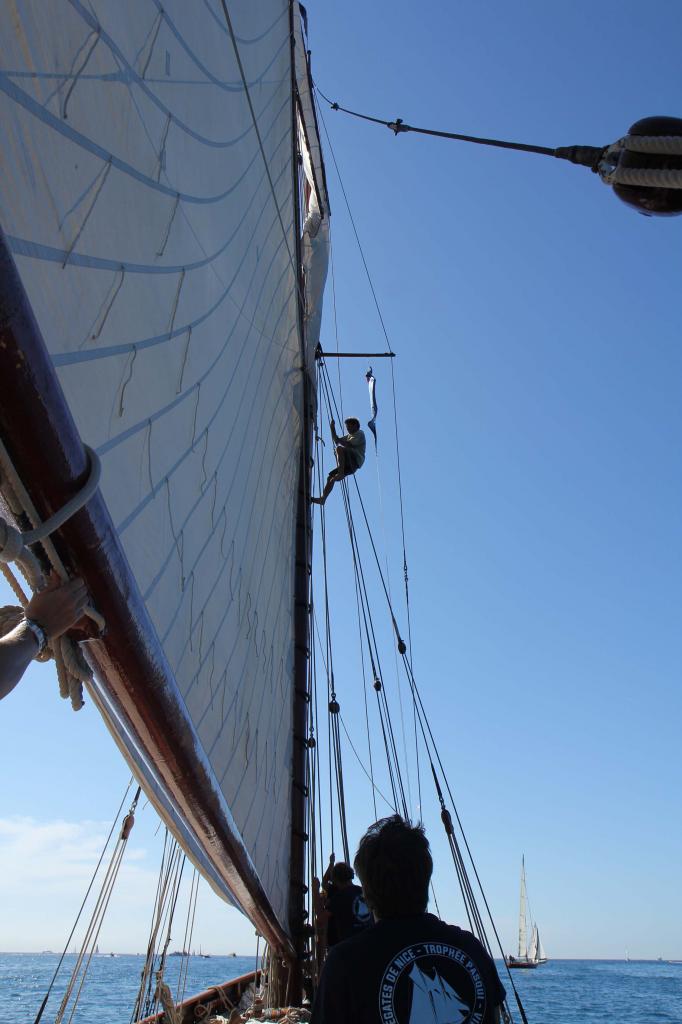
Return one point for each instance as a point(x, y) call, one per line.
point(528, 955)
point(434, 1001)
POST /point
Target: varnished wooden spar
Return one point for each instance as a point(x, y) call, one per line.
point(135, 689)
point(217, 999)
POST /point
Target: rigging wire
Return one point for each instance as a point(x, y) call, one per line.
point(428, 738)
point(85, 898)
point(385, 718)
point(375, 788)
point(89, 943)
point(333, 705)
point(187, 939)
point(587, 156)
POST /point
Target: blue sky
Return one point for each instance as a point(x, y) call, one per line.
point(536, 324)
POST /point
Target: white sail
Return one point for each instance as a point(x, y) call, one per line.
point(523, 949)
point(533, 948)
point(434, 1001)
point(541, 955)
point(158, 252)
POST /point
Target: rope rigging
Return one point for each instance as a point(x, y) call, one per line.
point(469, 897)
point(80, 970)
point(393, 760)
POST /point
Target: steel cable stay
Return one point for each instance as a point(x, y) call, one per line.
point(430, 746)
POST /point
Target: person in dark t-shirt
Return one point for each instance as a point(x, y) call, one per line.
point(409, 967)
point(348, 912)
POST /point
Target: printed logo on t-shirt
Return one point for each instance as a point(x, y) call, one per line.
point(361, 912)
point(432, 983)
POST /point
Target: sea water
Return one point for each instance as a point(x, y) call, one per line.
point(559, 992)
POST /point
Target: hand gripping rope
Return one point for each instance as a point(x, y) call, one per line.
point(72, 669)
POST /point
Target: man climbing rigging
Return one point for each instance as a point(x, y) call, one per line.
point(350, 455)
point(409, 967)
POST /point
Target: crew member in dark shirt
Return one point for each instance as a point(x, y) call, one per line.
point(410, 967)
point(348, 912)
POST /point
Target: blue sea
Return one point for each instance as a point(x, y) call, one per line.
point(559, 992)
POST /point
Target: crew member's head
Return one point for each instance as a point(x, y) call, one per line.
point(342, 874)
point(352, 424)
point(394, 866)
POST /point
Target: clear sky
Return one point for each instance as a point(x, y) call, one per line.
point(539, 375)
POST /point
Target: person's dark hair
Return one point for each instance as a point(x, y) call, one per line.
point(342, 873)
point(394, 865)
point(352, 424)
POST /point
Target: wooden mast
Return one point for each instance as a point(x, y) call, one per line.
point(302, 575)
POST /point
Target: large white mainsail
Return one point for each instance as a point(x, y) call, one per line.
point(523, 949)
point(154, 226)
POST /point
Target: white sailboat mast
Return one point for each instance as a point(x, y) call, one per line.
point(523, 951)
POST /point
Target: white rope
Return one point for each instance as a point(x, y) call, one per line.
point(667, 145)
point(11, 477)
point(72, 669)
point(650, 177)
